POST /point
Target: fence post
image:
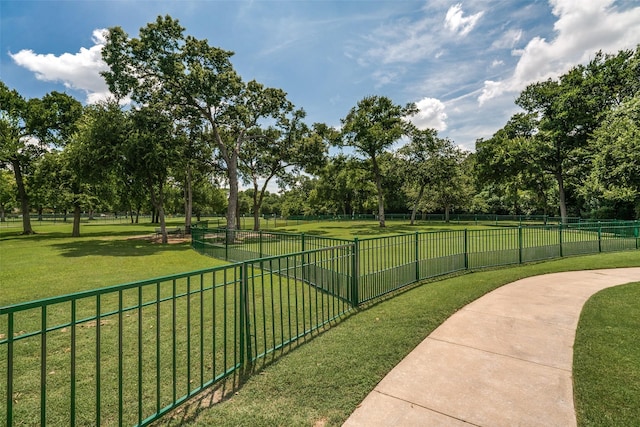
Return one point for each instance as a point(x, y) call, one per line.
point(520, 244)
point(303, 245)
point(10, 369)
point(245, 327)
point(260, 242)
point(600, 239)
point(560, 238)
point(355, 259)
point(466, 250)
point(417, 256)
point(226, 245)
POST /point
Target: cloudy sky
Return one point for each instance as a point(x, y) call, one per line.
point(463, 63)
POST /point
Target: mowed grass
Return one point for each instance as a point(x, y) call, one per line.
point(51, 263)
point(607, 358)
point(320, 382)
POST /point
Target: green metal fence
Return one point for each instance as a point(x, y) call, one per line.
point(386, 264)
point(242, 245)
point(128, 354)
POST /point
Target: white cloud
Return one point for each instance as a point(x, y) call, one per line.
point(497, 63)
point(79, 71)
point(402, 42)
point(456, 22)
point(431, 114)
point(582, 28)
point(508, 40)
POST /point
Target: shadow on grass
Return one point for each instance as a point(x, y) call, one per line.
point(116, 248)
point(39, 237)
point(189, 411)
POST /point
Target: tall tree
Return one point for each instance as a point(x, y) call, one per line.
point(281, 153)
point(507, 163)
point(151, 151)
point(416, 164)
point(99, 140)
point(452, 182)
point(568, 111)
point(371, 128)
point(28, 129)
point(194, 80)
point(615, 173)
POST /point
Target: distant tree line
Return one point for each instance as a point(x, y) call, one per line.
point(575, 147)
point(184, 132)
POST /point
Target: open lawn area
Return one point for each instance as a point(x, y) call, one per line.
point(322, 381)
point(51, 263)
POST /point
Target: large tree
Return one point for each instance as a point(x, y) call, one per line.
point(195, 81)
point(450, 183)
point(28, 128)
point(96, 155)
point(150, 151)
point(615, 173)
point(281, 152)
point(568, 111)
point(371, 128)
point(507, 165)
point(417, 165)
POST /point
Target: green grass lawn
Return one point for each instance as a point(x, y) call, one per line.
point(606, 364)
point(51, 263)
point(320, 382)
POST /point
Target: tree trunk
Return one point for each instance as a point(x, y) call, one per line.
point(376, 172)
point(188, 202)
point(447, 208)
point(258, 199)
point(415, 205)
point(2, 217)
point(238, 223)
point(232, 208)
point(22, 195)
point(561, 196)
point(256, 206)
point(157, 201)
point(76, 220)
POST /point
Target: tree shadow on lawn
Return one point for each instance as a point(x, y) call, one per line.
point(84, 233)
point(117, 248)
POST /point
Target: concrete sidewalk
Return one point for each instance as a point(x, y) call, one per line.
point(503, 360)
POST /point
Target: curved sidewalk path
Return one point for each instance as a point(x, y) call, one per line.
point(503, 360)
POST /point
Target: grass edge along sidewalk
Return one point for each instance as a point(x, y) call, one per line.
point(322, 382)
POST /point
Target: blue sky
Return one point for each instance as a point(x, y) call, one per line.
point(462, 62)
